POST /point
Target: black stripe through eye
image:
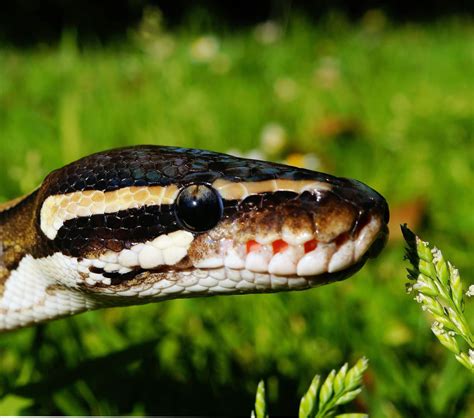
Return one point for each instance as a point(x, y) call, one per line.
point(115, 230)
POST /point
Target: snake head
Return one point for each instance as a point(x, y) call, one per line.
point(139, 224)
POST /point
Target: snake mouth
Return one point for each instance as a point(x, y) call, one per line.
point(296, 255)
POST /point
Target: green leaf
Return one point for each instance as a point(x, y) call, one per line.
point(353, 415)
point(354, 375)
point(308, 401)
point(456, 287)
point(348, 396)
point(260, 402)
point(339, 379)
point(326, 390)
point(14, 405)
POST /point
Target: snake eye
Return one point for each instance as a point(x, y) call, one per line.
point(198, 207)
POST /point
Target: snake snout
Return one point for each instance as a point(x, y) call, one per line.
point(364, 198)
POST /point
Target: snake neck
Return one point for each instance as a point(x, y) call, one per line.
point(17, 233)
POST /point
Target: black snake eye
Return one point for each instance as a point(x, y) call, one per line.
point(198, 207)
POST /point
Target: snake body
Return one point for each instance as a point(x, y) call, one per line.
point(149, 223)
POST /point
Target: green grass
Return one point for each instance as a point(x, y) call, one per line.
point(402, 101)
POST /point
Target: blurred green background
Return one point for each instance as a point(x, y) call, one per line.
point(391, 104)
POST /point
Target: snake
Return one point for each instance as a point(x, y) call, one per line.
point(151, 223)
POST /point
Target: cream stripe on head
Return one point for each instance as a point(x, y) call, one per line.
point(58, 209)
point(238, 191)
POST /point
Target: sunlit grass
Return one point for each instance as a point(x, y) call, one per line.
point(391, 106)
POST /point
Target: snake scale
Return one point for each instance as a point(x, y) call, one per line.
point(150, 223)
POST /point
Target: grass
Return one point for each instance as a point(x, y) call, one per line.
point(389, 105)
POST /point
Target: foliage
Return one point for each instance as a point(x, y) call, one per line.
point(388, 105)
point(338, 389)
point(439, 290)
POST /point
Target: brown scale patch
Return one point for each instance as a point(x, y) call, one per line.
point(202, 247)
point(333, 218)
point(18, 234)
point(12, 203)
point(51, 290)
point(298, 220)
point(143, 278)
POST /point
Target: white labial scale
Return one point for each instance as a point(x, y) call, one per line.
point(30, 294)
point(128, 258)
point(316, 262)
point(161, 242)
point(285, 262)
point(181, 238)
point(166, 249)
point(257, 261)
point(150, 257)
point(366, 237)
point(233, 260)
point(174, 254)
point(210, 263)
point(342, 258)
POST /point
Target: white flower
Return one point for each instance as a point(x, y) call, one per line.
point(471, 356)
point(470, 291)
point(437, 328)
point(420, 298)
point(437, 256)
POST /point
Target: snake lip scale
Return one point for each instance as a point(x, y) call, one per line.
point(149, 223)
